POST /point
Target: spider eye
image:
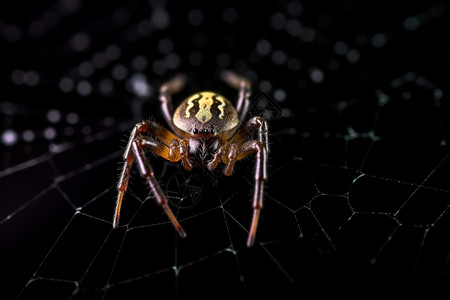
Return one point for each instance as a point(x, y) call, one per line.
point(195, 131)
point(212, 131)
point(205, 131)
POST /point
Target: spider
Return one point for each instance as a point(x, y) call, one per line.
point(206, 129)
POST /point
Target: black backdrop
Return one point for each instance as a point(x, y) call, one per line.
point(356, 95)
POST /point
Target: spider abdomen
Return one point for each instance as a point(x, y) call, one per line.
point(205, 111)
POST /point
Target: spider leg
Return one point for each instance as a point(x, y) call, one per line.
point(261, 149)
point(135, 150)
point(255, 124)
point(218, 157)
point(238, 148)
point(255, 147)
point(179, 150)
point(243, 85)
point(166, 91)
point(122, 187)
point(230, 154)
point(147, 173)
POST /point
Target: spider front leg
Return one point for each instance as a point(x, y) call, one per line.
point(146, 172)
point(259, 149)
point(239, 148)
point(136, 146)
point(236, 153)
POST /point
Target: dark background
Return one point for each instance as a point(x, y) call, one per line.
point(356, 95)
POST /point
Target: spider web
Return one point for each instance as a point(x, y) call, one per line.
point(358, 193)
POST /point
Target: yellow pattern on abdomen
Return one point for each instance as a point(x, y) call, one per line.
point(204, 107)
point(190, 105)
point(205, 100)
point(221, 106)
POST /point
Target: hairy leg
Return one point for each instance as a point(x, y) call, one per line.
point(159, 143)
point(239, 148)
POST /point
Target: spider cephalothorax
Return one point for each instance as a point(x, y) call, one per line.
point(205, 122)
